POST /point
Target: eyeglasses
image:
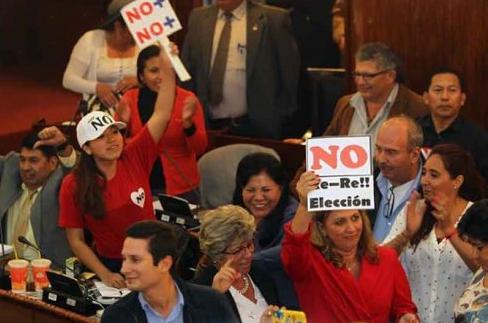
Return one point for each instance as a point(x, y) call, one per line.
point(247, 246)
point(390, 203)
point(368, 76)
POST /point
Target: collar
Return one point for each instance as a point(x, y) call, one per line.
point(455, 126)
point(238, 13)
point(35, 191)
point(384, 184)
point(180, 302)
point(357, 100)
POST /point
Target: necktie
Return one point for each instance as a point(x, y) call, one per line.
point(220, 62)
point(22, 222)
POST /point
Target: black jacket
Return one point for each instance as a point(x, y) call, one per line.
point(263, 282)
point(202, 305)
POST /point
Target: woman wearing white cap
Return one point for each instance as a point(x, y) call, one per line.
point(103, 61)
point(109, 189)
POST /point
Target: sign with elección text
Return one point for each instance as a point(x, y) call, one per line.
point(344, 165)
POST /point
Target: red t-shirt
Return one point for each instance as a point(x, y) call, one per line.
point(127, 197)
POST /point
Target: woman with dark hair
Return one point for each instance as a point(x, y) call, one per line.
point(103, 61)
point(438, 263)
point(185, 138)
point(339, 271)
point(472, 306)
point(262, 189)
point(109, 189)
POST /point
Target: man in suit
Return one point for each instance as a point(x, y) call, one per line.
point(244, 65)
point(29, 187)
point(150, 251)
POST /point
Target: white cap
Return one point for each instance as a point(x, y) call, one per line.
point(93, 125)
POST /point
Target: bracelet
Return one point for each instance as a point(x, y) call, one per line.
point(451, 234)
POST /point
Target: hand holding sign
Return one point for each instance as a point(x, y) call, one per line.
point(345, 169)
point(153, 21)
point(308, 182)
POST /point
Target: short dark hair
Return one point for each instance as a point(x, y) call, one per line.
point(254, 164)
point(145, 54)
point(474, 223)
point(163, 240)
point(31, 138)
point(445, 70)
point(384, 57)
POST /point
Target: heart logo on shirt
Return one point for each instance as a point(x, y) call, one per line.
point(138, 197)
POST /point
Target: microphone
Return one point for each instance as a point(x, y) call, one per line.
point(25, 241)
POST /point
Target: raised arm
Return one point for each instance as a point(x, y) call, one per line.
point(164, 104)
point(308, 181)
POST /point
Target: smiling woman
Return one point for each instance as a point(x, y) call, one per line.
point(262, 188)
point(439, 264)
point(109, 189)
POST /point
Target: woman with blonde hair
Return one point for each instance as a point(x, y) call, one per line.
point(227, 239)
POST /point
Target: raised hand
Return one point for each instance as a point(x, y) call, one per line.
point(415, 213)
point(308, 181)
point(225, 277)
point(440, 207)
point(50, 136)
point(188, 111)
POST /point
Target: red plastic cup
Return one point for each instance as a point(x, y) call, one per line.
point(18, 274)
point(39, 268)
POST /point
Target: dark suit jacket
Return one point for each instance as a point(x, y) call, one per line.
point(262, 281)
point(202, 304)
point(50, 238)
point(272, 64)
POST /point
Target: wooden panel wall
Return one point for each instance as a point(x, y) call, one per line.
point(41, 34)
point(427, 34)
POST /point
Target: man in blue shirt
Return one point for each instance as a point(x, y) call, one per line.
point(149, 253)
point(398, 158)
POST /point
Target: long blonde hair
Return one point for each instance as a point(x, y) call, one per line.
point(367, 246)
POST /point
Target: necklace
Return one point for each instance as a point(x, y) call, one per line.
point(244, 288)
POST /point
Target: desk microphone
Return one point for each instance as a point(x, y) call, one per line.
point(83, 303)
point(25, 241)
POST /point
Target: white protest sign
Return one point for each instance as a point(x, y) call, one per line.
point(345, 169)
point(153, 21)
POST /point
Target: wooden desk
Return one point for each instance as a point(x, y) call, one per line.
point(23, 309)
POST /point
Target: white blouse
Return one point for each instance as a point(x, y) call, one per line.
point(436, 272)
point(89, 64)
point(248, 311)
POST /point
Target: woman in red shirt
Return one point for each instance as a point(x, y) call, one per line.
point(339, 272)
point(109, 189)
point(185, 137)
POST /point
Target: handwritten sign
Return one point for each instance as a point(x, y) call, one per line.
point(345, 168)
point(153, 21)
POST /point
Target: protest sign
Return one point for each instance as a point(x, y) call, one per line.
point(344, 165)
point(153, 21)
